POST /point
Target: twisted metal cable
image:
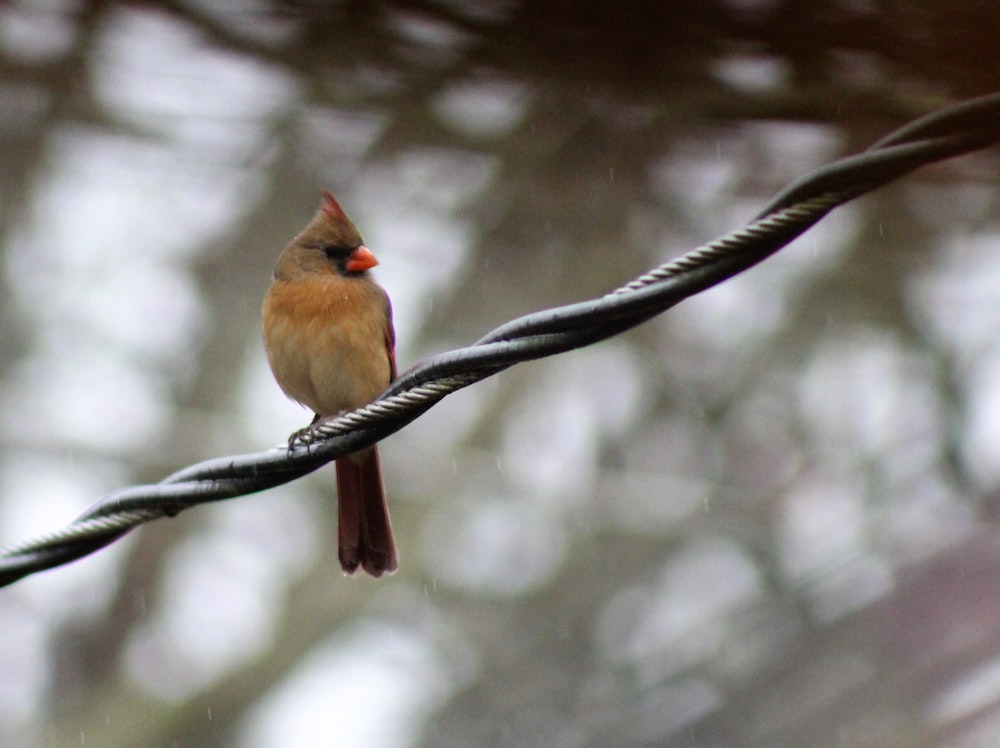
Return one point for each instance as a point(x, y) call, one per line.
point(736, 241)
point(949, 132)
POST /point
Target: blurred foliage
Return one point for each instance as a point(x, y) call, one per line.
point(763, 520)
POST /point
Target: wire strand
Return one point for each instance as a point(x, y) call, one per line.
point(962, 128)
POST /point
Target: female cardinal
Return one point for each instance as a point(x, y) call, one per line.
point(330, 342)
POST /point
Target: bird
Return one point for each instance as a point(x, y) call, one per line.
point(330, 343)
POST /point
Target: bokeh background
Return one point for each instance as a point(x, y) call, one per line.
point(765, 519)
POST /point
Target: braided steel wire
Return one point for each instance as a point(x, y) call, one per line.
point(949, 132)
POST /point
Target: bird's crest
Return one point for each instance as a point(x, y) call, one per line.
point(331, 208)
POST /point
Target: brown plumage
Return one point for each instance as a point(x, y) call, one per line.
point(330, 342)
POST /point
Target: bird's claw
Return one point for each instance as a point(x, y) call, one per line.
point(304, 437)
point(301, 438)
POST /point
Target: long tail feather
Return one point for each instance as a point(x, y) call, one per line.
point(365, 533)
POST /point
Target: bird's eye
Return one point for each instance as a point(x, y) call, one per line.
point(336, 251)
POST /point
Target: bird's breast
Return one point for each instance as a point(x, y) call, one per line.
point(326, 342)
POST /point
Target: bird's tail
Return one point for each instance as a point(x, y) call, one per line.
point(364, 530)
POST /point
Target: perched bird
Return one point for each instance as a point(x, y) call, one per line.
point(331, 345)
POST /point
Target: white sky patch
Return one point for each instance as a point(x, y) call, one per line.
point(955, 298)
point(219, 610)
point(23, 661)
point(507, 547)
point(371, 687)
point(973, 691)
point(752, 73)
point(159, 73)
point(823, 546)
point(486, 109)
point(555, 430)
point(102, 404)
point(982, 436)
point(685, 616)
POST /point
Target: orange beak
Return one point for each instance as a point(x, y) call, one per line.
point(361, 260)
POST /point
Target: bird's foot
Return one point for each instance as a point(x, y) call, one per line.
point(304, 437)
